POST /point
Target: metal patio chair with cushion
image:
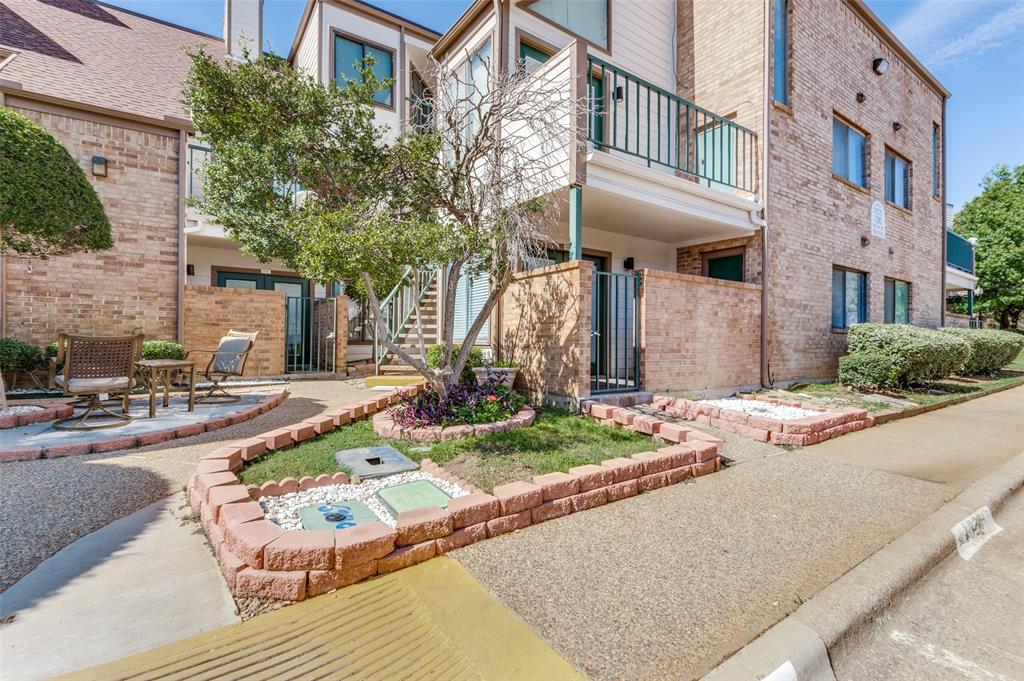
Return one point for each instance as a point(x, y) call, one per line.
point(227, 361)
point(93, 368)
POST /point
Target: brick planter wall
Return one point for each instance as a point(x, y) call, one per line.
point(211, 311)
point(699, 333)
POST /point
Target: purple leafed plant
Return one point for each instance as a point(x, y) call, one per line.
point(484, 401)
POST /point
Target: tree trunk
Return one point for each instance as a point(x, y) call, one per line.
point(3, 391)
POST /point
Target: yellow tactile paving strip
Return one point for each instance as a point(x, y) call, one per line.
point(431, 621)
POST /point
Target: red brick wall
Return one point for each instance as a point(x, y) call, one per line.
point(698, 333)
point(688, 258)
point(546, 330)
point(135, 284)
point(815, 221)
point(210, 312)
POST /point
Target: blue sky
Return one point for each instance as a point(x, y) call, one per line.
point(975, 47)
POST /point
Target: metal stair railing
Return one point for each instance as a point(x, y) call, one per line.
point(398, 307)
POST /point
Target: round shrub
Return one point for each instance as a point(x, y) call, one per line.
point(869, 370)
point(991, 349)
point(921, 355)
point(161, 349)
point(16, 354)
point(476, 359)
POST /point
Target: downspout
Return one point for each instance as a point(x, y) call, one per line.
point(942, 265)
point(182, 245)
point(765, 132)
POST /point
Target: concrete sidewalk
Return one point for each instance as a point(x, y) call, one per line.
point(140, 582)
point(669, 583)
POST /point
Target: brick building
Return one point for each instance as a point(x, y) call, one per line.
point(757, 176)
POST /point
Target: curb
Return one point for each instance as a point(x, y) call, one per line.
point(802, 640)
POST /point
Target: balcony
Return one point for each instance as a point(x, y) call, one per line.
point(661, 130)
point(959, 252)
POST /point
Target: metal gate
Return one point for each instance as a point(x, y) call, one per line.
point(310, 334)
point(615, 332)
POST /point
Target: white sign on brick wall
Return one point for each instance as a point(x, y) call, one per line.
point(877, 219)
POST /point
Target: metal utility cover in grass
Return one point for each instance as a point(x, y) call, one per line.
point(415, 494)
point(336, 516)
point(374, 462)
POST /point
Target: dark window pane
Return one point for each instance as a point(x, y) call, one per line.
point(838, 296)
point(729, 267)
point(348, 58)
point(383, 70)
point(781, 82)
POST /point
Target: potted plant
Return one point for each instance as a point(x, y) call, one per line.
point(503, 372)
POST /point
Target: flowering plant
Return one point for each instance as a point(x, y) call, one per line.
point(485, 401)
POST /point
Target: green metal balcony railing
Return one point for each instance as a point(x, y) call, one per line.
point(959, 252)
point(630, 115)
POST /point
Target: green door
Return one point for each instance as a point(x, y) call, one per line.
point(728, 267)
point(298, 314)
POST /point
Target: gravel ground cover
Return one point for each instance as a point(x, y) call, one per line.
point(284, 510)
point(19, 409)
point(759, 408)
point(49, 503)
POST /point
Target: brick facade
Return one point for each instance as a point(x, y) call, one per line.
point(698, 333)
point(135, 284)
point(816, 222)
point(545, 321)
point(210, 312)
point(689, 258)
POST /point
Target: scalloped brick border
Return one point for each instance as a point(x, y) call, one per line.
point(385, 426)
point(260, 559)
point(49, 413)
point(116, 442)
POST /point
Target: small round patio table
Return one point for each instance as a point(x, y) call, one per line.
point(155, 367)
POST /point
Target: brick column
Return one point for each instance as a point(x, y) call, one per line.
point(341, 335)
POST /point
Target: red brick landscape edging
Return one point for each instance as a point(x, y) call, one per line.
point(809, 430)
point(128, 441)
point(385, 426)
point(48, 413)
point(261, 559)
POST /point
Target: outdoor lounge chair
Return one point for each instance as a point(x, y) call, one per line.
point(226, 361)
point(93, 368)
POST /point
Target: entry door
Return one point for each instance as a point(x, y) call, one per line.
point(298, 318)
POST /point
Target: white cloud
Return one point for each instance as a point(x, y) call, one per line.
point(941, 32)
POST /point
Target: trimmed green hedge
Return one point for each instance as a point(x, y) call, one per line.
point(869, 370)
point(918, 355)
point(991, 349)
point(476, 359)
point(162, 349)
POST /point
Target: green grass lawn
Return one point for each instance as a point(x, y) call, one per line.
point(939, 391)
point(557, 441)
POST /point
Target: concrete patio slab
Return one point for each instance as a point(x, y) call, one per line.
point(142, 581)
point(173, 417)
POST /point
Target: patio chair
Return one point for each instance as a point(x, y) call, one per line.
point(227, 361)
point(95, 366)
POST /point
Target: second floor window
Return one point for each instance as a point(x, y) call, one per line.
point(780, 49)
point(849, 298)
point(935, 160)
point(849, 151)
point(349, 55)
point(897, 180)
point(897, 302)
point(586, 18)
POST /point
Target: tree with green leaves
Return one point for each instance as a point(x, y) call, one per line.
point(372, 203)
point(47, 206)
point(996, 218)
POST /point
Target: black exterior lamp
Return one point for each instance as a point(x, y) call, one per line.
point(99, 166)
point(880, 65)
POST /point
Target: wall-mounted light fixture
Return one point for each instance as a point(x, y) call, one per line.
point(896, 126)
point(861, 97)
point(190, 270)
point(628, 263)
point(99, 166)
point(619, 94)
point(880, 65)
point(864, 241)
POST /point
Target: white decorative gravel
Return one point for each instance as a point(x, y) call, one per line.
point(7, 411)
point(759, 408)
point(284, 510)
